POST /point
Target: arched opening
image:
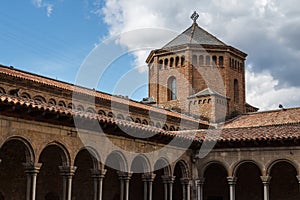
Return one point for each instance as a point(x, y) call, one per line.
point(83, 187)
point(52, 102)
point(284, 184)
point(201, 60)
point(182, 60)
point(236, 91)
point(249, 185)
point(207, 60)
point(39, 99)
point(111, 183)
point(194, 61)
point(138, 167)
point(179, 173)
point(80, 108)
point(90, 110)
point(176, 61)
point(13, 154)
point(25, 95)
point(214, 59)
point(160, 64)
point(166, 63)
point(50, 181)
point(215, 186)
point(172, 89)
point(221, 61)
point(62, 104)
point(172, 62)
point(161, 169)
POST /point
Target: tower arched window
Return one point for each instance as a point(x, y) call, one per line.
point(207, 60)
point(172, 89)
point(221, 61)
point(214, 59)
point(201, 60)
point(194, 61)
point(236, 91)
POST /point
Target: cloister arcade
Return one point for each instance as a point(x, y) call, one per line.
point(56, 176)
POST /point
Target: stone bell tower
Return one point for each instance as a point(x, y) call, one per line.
point(196, 73)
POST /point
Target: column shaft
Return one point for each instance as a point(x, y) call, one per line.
point(266, 181)
point(231, 181)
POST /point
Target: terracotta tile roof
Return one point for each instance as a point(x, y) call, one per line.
point(242, 134)
point(70, 87)
point(279, 132)
point(32, 104)
point(267, 118)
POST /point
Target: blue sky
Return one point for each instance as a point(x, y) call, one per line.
point(55, 37)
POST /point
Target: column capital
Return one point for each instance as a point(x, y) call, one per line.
point(148, 177)
point(185, 181)
point(231, 180)
point(98, 173)
point(200, 181)
point(168, 179)
point(124, 175)
point(298, 178)
point(67, 170)
point(32, 168)
point(265, 179)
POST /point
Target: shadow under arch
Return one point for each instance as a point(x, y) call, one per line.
point(249, 184)
point(16, 154)
point(94, 156)
point(163, 172)
point(55, 160)
point(215, 184)
point(274, 162)
point(115, 164)
point(208, 164)
point(238, 164)
point(29, 152)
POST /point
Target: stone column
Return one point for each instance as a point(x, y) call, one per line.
point(186, 193)
point(124, 178)
point(231, 181)
point(98, 175)
point(148, 180)
point(67, 172)
point(168, 184)
point(266, 182)
point(31, 171)
point(199, 186)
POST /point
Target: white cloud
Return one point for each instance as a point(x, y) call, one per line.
point(265, 29)
point(43, 4)
point(262, 92)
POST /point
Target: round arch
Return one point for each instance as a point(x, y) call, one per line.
point(65, 156)
point(274, 162)
point(94, 156)
point(208, 164)
point(122, 164)
point(163, 163)
point(183, 167)
point(238, 164)
point(30, 155)
point(141, 159)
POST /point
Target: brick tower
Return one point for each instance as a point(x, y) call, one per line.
point(196, 73)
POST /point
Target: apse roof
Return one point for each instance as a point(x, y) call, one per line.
point(195, 35)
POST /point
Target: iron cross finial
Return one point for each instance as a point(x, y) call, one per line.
point(195, 16)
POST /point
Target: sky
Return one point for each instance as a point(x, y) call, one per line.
point(60, 38)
